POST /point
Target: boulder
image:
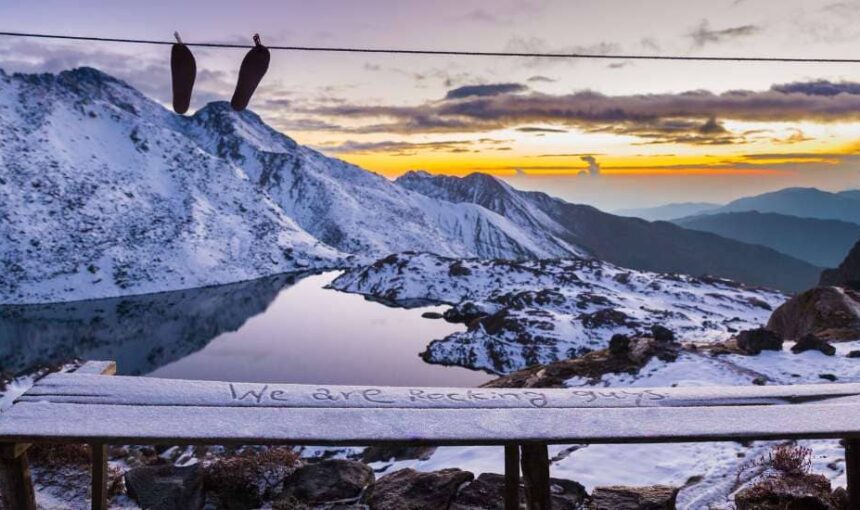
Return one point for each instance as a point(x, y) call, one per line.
point(753, 341)
point(166, 487)
point(487, 493)
point(813, 343)
point(655, 497)
point(408, 489)
point(394, 453)
point(829, 312)
point(328, 480)
point(780, 492)
point(662, 334)
point(847, 274)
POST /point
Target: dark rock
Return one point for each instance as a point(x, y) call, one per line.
point(328, 480)
point(854, 354)
point(166, 487)
point(413, 490)
point(760, 381)
point(432, 315)
point(487, 493)
point(813, 343)
point(848, 272)
point(394, 453)
point(656, 497)
point(662, 334)
point(827, 377)
point(781, 492)
point(828, 312)
point(619, 345)
point(593, 365)
point(754, 341)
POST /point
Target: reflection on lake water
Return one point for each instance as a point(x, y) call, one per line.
point(286, 328)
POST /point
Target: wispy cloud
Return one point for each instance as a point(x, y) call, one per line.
point(703, 35)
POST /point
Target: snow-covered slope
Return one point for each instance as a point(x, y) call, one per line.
point(358, 211)
point(102, 195)
point(522, 314)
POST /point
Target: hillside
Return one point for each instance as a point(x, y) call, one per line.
point(823, 243)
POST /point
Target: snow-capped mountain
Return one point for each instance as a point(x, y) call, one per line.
point(628, 242)
point(103, 192)
point(533, 312)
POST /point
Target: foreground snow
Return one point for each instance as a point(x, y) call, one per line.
point(541, 311)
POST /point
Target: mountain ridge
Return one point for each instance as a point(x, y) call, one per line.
point(630, 242)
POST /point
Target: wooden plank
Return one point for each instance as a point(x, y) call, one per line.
point(535, 461)
point(75, 388)
point(97, 368)
point(99, 492)
point(12, 450)
point(16, 486)
point(512, 477)
point(852, 471)
point(30, 422)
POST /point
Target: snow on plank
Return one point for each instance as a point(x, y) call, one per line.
point(94, 390)
point(135, 424)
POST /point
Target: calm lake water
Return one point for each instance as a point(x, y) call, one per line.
point(286, 328)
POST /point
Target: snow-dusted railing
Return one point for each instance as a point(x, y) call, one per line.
point(87, 407)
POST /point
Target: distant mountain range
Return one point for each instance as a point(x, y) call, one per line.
point(103, 192)
point(669, 211)
point(821, 242)
point(800, 202)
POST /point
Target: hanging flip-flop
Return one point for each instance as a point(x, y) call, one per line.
point(183, 69)
point(253, 68)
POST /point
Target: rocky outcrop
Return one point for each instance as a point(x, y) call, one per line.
point(656, 497)
point(327, 481)
point(847, 274)
point(486, 493)
point(813, 343)
point(413, 490)
point(166, 487)
point(625, 354)
point(753, 341)
point(829, 312)
point(801, 492)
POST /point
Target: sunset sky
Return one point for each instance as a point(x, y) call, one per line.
point(611, 133)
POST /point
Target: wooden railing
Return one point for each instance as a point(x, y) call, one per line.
point(86, 407)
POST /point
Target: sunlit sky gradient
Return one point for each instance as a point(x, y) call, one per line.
point(610, 133)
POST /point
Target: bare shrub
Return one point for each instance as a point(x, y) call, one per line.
point(253, 471)
point(791, 459)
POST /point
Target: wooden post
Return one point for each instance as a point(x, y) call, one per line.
point(99, 475)
point(512, 477)
point(535, 462)
point(16, 486)
point(852, 471)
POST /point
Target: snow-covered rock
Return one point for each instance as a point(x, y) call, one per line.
point(535, 312)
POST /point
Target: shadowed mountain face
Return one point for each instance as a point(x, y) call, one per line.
point(628, 242)
point(141, 333)
point(848, 272)
point(820, 242)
